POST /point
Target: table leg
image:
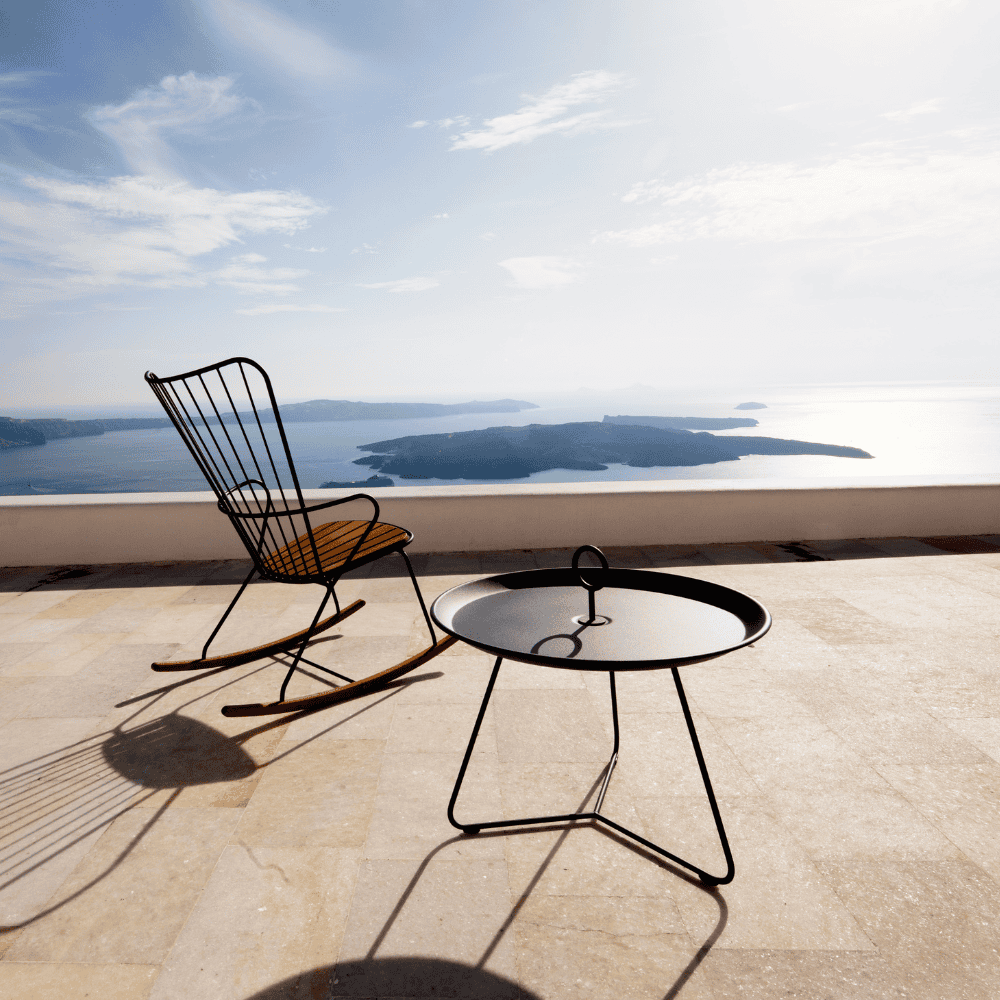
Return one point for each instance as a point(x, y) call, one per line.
point(596, 815)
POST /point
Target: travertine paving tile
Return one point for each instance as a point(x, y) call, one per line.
point(778, 898)
point(31, 628)
point(128, 898)
point(864, 822)
point(585, 860)
point(596, 946)
point(898, 738)
point(62, 657)
point(941, 789)
point(656, 757)
point(450, 678)
point(264, 915)
point(12, 653)
point(54, 981)
point(756, 974)
point(318, 794)
point(453, 910)
point(984, 733)
point(738, 691)
point(934, 922)
point(36, 601)
point(515, 676)
point(368, 718)
point(82, 605)
point(934, 601)
point(835, 620)
point(548, 725)
point(410, 818)
point(442, 728)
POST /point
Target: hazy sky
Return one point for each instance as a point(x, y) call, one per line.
point(377, 199)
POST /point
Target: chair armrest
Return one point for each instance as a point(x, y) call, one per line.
point(308, 509)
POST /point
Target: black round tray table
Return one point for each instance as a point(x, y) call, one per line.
point(606, 619)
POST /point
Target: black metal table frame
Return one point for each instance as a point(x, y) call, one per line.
point(595, 814)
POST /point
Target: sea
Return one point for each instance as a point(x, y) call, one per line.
point(912, 429)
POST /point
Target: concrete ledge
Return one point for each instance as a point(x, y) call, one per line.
point(173, 527)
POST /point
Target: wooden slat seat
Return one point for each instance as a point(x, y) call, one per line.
point(335, 542)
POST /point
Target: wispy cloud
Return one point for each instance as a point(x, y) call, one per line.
point(245, 274)
point(278, 39)
point(878, 192)
point(541, 272)
point(931, 107)
point(21, 77)
point(548, 114)
point(284, 307)
point(184, 105)
point(405, 285)
point(12, 109)
point(288, 246)
point(81, 237)
point(419, 124)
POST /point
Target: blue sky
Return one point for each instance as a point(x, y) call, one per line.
point(461, 199)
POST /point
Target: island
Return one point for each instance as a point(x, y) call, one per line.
point(358, 484)
point(517, 452)
point(317, 410)
point(687, 423)
point(750, 406)
point(15, 433)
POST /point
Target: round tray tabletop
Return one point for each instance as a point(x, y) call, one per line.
point(643, 619)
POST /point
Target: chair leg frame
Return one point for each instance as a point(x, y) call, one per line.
point(299, 641)
point(595, 815)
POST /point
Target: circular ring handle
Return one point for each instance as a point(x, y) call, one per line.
point(592, 587)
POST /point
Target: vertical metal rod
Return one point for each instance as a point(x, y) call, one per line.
point(731, 868)
point(420, 597)
point(468, 752)
point(614, 752)
point(302, 648)
point(232, 604)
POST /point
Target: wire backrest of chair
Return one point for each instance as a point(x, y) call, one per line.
point(228, 417)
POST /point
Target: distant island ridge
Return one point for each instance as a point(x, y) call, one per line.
point(750, 406)
point(687, 423)
point(18, 433)
point(353, 484)
point(517, 452)
point(15, 433)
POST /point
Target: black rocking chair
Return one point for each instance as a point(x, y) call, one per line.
point(228, 418)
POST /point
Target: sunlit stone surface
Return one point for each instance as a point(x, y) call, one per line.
point(150, 847)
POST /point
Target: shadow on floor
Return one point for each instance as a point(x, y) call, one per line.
point(396, 977)
point(175, 751)
point(53, 802)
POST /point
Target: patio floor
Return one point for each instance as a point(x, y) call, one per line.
point(150, 847)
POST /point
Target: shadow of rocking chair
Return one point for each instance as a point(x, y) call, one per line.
point(228, 417)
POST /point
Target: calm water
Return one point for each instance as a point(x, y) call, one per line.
point(946, 429)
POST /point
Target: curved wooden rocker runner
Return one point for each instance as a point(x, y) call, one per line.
point(228, 418)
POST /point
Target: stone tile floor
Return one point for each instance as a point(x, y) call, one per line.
point(150, 847)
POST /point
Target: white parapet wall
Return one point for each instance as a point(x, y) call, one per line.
point(60, 530)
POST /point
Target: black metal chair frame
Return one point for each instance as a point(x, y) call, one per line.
point(265, 518)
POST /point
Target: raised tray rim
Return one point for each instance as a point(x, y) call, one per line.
point(655, 582)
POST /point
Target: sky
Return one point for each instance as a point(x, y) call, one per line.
point(462, 199)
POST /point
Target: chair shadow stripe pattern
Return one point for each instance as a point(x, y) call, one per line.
point(229, 419)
